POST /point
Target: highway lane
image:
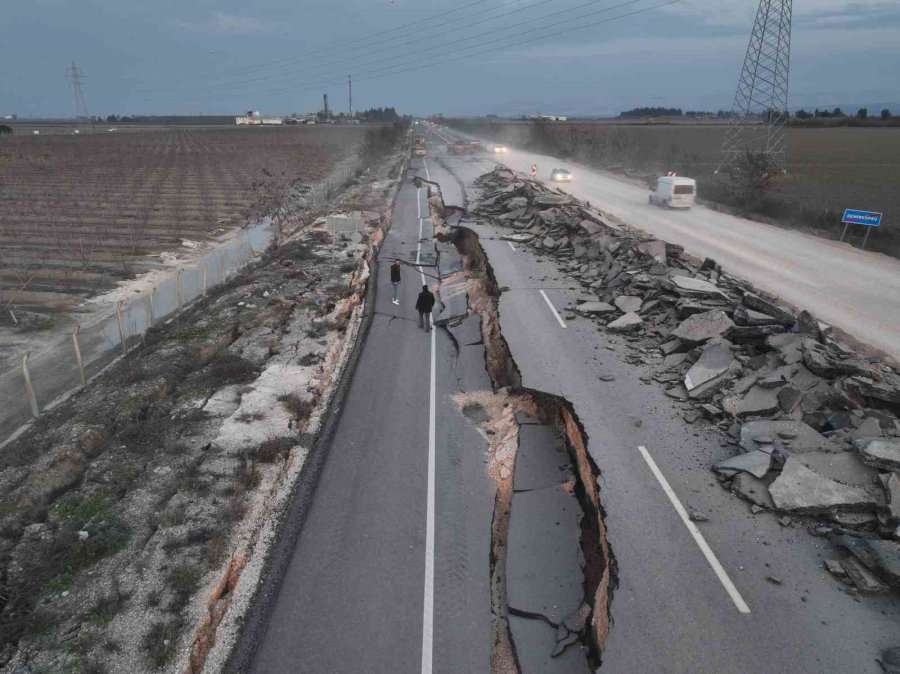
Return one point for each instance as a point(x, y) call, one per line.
point(671, 611)
point(854, 290)
point(356, 594)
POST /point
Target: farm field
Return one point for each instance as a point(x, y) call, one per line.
point(829, 169)
point(78, 213)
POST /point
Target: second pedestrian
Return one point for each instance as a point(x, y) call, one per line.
point(424, 305)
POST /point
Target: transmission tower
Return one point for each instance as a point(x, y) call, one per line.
point(760, 102)
point(74, 75)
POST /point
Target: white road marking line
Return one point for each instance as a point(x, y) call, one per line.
point(425, 164)
point(695, 532)
point(428, 603)
point(511, 245)
point(553, 309)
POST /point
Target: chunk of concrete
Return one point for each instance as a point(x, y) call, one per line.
point(756, 463)
point(880, 452)
point(627, 323)
point(798, 489)
point(655, 249)
point(694, 286)
point(714, 361)
point(862, 578)
point(595, 308)
point(699, 328)
point(842, 467)
point(795, 436)
point(881, 556)
point(759, 401)
point(753, 489)
point(757, 303)
point(789, 398)
point(628, 303)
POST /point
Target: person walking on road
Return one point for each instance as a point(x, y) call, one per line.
point(395, 280)
point(424, 305)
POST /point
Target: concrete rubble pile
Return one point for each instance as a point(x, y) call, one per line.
point(815, 423)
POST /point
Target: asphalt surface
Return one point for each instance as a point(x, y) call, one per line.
point(854, 290)
point(353, 594)
point(670, 611)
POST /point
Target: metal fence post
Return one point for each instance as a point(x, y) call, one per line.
point(29, 389)
point(178, 288)
point(78, 356)
point(121, 329)
point(205, 274)
point(150, 317)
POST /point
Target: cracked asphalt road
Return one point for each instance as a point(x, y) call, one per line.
point(352, 595)
point(670, 613)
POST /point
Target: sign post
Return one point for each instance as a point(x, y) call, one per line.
point(868, 219)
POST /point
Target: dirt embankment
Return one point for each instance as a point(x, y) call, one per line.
point(129, 512)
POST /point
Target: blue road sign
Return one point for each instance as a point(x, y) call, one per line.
point(855, 217)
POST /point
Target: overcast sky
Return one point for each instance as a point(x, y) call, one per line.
point(457, 57)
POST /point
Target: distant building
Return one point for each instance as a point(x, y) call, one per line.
point(251, 120)
point(549, 118)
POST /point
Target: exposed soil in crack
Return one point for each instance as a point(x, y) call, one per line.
point(501, 430)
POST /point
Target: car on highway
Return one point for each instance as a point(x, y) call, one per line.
point(561, 175)
point(673, 192)
point(499, 149)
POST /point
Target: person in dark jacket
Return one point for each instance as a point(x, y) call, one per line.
point(395, 281)
point(424, 305)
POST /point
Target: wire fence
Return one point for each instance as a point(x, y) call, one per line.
point(42, 378)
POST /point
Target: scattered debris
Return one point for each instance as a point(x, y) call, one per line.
point(816, 424)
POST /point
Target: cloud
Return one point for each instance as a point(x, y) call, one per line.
point(223, 23)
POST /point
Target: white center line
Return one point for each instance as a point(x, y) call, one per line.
point(428, 603)
point(553, 309)
point(695, 532)
point(511, 245)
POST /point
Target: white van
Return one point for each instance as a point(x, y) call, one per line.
point(674, 192)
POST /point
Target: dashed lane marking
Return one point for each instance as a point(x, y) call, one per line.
point(553, 309)
point(695, 532)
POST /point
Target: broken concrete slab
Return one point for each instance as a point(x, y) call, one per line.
point(868, 428)
point(759, 401)
point(789, 398)
point(628, 303)
point(881, 556)
point(756, 463)
point(864, 580)
point(752, 489)
point(842, 467)
point(789, 346)
point(880, 452)
point(887, 390)
point(626, 323)
point(655, 249)
point(595, 308)
point(783, 315)
point(744, 316)
point(714, 361)
point(794, 435)
point(891, 484)
point(518, 238)
point(699, 328)
point(798, 489)
point(694, 286)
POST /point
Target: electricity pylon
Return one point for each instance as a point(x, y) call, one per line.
point(760, 102)
point(74, 76)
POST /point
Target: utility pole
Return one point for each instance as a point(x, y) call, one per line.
point(325, 102)
point(75, 76)
point(762, 89)
point(350, 94)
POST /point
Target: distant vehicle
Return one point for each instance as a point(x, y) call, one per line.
point(498, 149)
point(113, 129)
point(419, 139)
point(561, 175)
point(418, 151)
point(673, 192)
point(455, 148)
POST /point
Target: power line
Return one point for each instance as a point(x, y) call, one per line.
point(289, 85)
point(297, 58)
point(440, 61)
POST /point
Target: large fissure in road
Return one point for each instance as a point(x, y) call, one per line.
point(589, 622)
